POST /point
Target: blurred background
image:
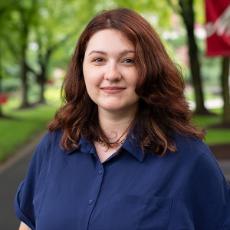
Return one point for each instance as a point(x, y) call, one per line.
point(37, 39)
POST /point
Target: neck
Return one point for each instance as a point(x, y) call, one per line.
point(115, 124)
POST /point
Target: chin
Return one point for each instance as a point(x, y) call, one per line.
point(112, 108)
point(116, 108)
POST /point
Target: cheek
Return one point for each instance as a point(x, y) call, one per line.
point(132, 77)
point(133, 82)
point(91, 76)
point(91, 82)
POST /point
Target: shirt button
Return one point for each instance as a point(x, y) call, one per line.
point(90, 202)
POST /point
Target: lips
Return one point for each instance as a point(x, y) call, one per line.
point(112, 89)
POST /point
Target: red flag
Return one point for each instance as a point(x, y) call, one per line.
point(218, 27)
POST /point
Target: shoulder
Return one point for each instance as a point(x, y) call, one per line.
point(49, 140)
point(196, 155)
point(45, 147)
point(204, 168)
point(190, 144)
point(192, 148)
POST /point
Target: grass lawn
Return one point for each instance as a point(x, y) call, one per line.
point(214, 135)
point(24, 125)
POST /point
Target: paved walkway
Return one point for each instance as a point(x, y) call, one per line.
point(13, 172)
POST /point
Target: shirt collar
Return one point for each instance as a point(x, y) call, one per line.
point(85, 146)
point(131, 145)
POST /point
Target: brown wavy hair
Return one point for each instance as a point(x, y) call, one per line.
point(162, 110)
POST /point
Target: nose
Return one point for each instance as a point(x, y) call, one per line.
point(112, 72)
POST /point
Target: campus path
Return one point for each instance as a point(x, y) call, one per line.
point(12, 172)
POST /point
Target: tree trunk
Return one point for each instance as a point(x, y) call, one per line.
point(225, 90)
point(187, 13)
point(25, 23)
point(23, 65)
point(42, 77)
point(42, 99)
point(42, 81)
point(195, 73)
point(24, 82)
point(1, 112)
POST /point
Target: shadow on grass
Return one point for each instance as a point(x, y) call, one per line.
point(220, 126)
point(31, 105)
point(10, 117)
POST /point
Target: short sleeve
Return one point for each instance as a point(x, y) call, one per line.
point(28, 190)
point(210, 195)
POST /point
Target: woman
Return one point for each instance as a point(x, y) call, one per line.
point(121, 153)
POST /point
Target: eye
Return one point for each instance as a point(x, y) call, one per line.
point(98, 60)
point(128, 60)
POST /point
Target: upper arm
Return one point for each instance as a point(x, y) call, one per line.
point(25, 206)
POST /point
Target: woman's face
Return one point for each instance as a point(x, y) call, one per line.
point(110, 71)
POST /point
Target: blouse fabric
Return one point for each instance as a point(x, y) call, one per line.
point(137, 190)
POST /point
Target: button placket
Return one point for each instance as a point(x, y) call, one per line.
point(95, 191)
point(100, 171)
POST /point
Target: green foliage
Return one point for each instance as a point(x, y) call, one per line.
point(10, 85)
point(199, 9)
point(149, 8)
point(38, 28)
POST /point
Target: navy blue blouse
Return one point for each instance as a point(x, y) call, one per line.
point(132, 190)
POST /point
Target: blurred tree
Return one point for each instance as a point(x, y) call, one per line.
point(1, 77)
point(26, 11)
point(185, 8)
point(37, 28)
point(5, 9)
point(2, 10)
point(54, 26)
point(17, 21)
point(153, 8)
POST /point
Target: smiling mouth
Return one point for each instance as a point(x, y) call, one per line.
point(112, 90)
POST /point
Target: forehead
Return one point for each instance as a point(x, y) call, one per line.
point(109, 40)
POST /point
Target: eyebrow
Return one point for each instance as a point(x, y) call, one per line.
point(102, 52)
